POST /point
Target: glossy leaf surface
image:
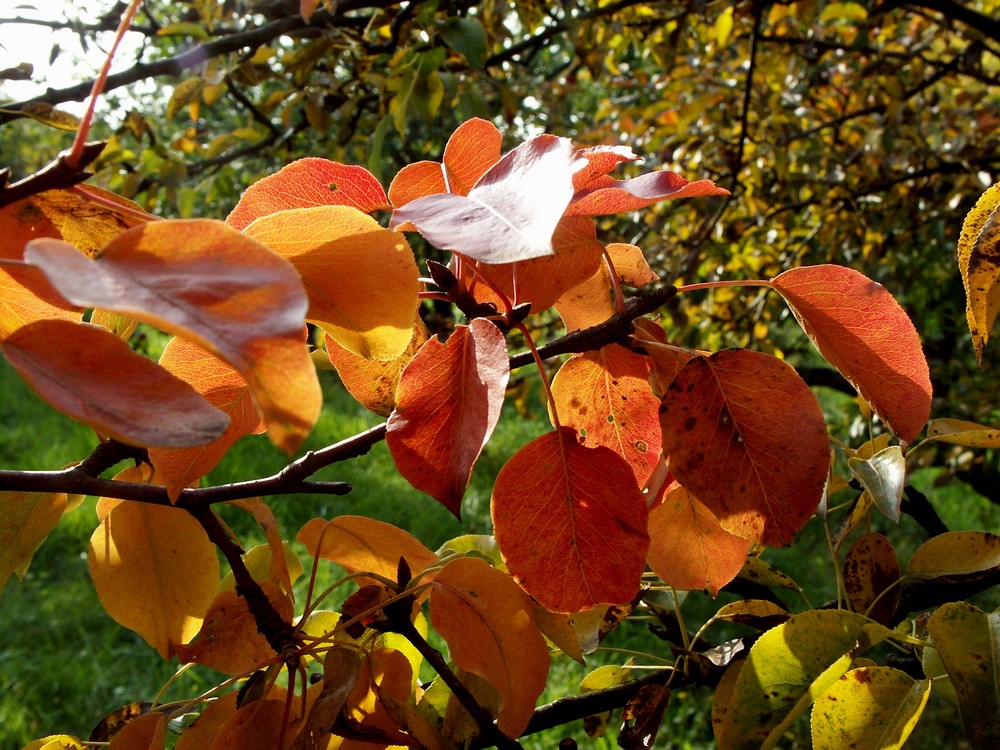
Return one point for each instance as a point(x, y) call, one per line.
point(883, 475)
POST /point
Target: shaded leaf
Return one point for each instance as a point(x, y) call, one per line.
point(960, 432)
point(92, 376)
point(154, 569)
point(222, 387)
point(334, 249)
point(490, 629)
point(967, 638)
point(871, 707)
point(606, 195)
point(206, 727)
point(871, 575)
point(511, 212)
point(467, 37)
point(603, 678)
point(56, 742)
point(26, 519)
point(605, 396)
point(979, 264)
point(666, 360)
point(47, 114)
point(341, 667)
point(688, 548)
point(146, 732)
point(862, 331)
point(762, 572)
point(753, 613)
point(884, 477)
point(203, 280)
point(642, 715)
point(956, 557)
point(570, 522)
point(447, 403)
point(746, 436)
point(283, 565)
point(255, 726)
point(306, 183)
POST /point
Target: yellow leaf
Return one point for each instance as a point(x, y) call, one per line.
point(49, 115)
point(960, 432)
point(184, 93)
point(956, 557)
point(26, 518)
point(979, 264)
point(724, 26)
point(56, 742)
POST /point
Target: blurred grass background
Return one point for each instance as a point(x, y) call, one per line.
point(64, 663)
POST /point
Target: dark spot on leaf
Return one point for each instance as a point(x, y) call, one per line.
point(690, 423)
point(332, 187)
point(641, 446)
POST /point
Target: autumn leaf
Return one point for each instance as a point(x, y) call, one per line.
point(666, 359)
point(146, 732)
point(206, 727)
point(89, 217)
point(871, 575)
point(94, 377)
point(489, 626)
point(447, 403)
point(630, 264)
point(605, 396)
point(26, 518)
point(223, 388)
point(606, 195)
point(571, 523)
point(862, 331)
point(511, 212)
point(978, 264)
point(154, 569)
point(255, 726)
point(601, 160)
point(306, 183)
point(688, 548)
point(281, 562)
point(746, 436)
point(203, 280)
point(335, 249)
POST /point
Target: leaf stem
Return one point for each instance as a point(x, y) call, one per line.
point(544, 375)
point(724, 283)
point(616, 284)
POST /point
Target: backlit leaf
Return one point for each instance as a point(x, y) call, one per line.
point(447, 403)
point(92, 376)
point(606, 195)
point(490, 629)
point(863, 332)
point(871, 707)
point(511, 212)
point(631, 265)
point(89, 217)
point(746, 436)
point(223, 388)
point(373, 382)
point(45, 113)
point(960, 432)
point(202, 279)
point(335, 249)
point(146, 732)
point(666, 360)
point(884, 476)
point(871, 575)
point(255, 726)
point(307, 8)
point(600, 161)
point(956, 557)
point(56, 742)
point(155, 571)
point(364, 545)
point(26, 518)
point(788, 668)
point(283, 566)
point(979, 265)
point(602, 678)
point(688, 548)
point(571, 523)
point(605, 396)
point(966, 639)
point(306, 183)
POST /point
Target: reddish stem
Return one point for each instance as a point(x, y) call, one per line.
point(541, 371)
point(723, 283)
point(616, 284)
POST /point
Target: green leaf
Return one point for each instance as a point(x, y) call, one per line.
point(968, 641)
point(884, 476)
point(871, 707)
point(468, 38)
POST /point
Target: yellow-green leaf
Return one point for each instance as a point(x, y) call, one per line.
point(871, 707)
point(26, 518)
point(56, 742)
point(960, 432)
point(184, 93)
point(47, 114)
point(979, 264)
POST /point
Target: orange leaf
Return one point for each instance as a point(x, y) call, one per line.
point(307, 8)
point(447, 404)
point(306, 183)
point(223, 388)
point(415, 181)
point(746, 436)
point(204, 280)
point(605, 396)
point(666, 360)
point(146, 732)
point(385, 672)
point(373, 382)
point(570, 522)
point(490, 629)
point(688, 548)
point(86, 217)
point(255, 726)
point(606, 195)
point(26, 518)
point(364, 545)
point(229, 641)
point(600, 161)
point(587, 303)
point(631, 265)
point(155, 571)
point(335, 249)
point(207, 726)
point(94, 377)
point(863, 332)
point(278, 567)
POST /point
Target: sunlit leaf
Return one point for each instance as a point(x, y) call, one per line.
point(202, 279)
point(334, 249)
point(666, 360)
point(688, 548)
point(874, 707)
point(26, 518)
point(89, 217)
point(155, 571)
point(511, 212)
point(605, 396)
point(571, 523)
point(961, 432)
point(602, 678)
point(871, 575)
point(884, 476)
point(601, 160)
point(977, 262)
point(746, 436)
point(92, 376)
point(283, 565)
point(56, 742)
point(606, 195)
point(862, 331)
point(447, 403)
point(630, 264)
point(490, 629)
point(306, 183)
point(956, 557)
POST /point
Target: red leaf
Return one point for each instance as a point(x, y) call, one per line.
point(744, 434)
point(512, 211)
point(607, 195)
point(416, 180)
point(570, 522)
point(447, 403)
point(605, 396)
point(600, 161)
point(863, 332)
point(94, 377)
point(306, 183)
